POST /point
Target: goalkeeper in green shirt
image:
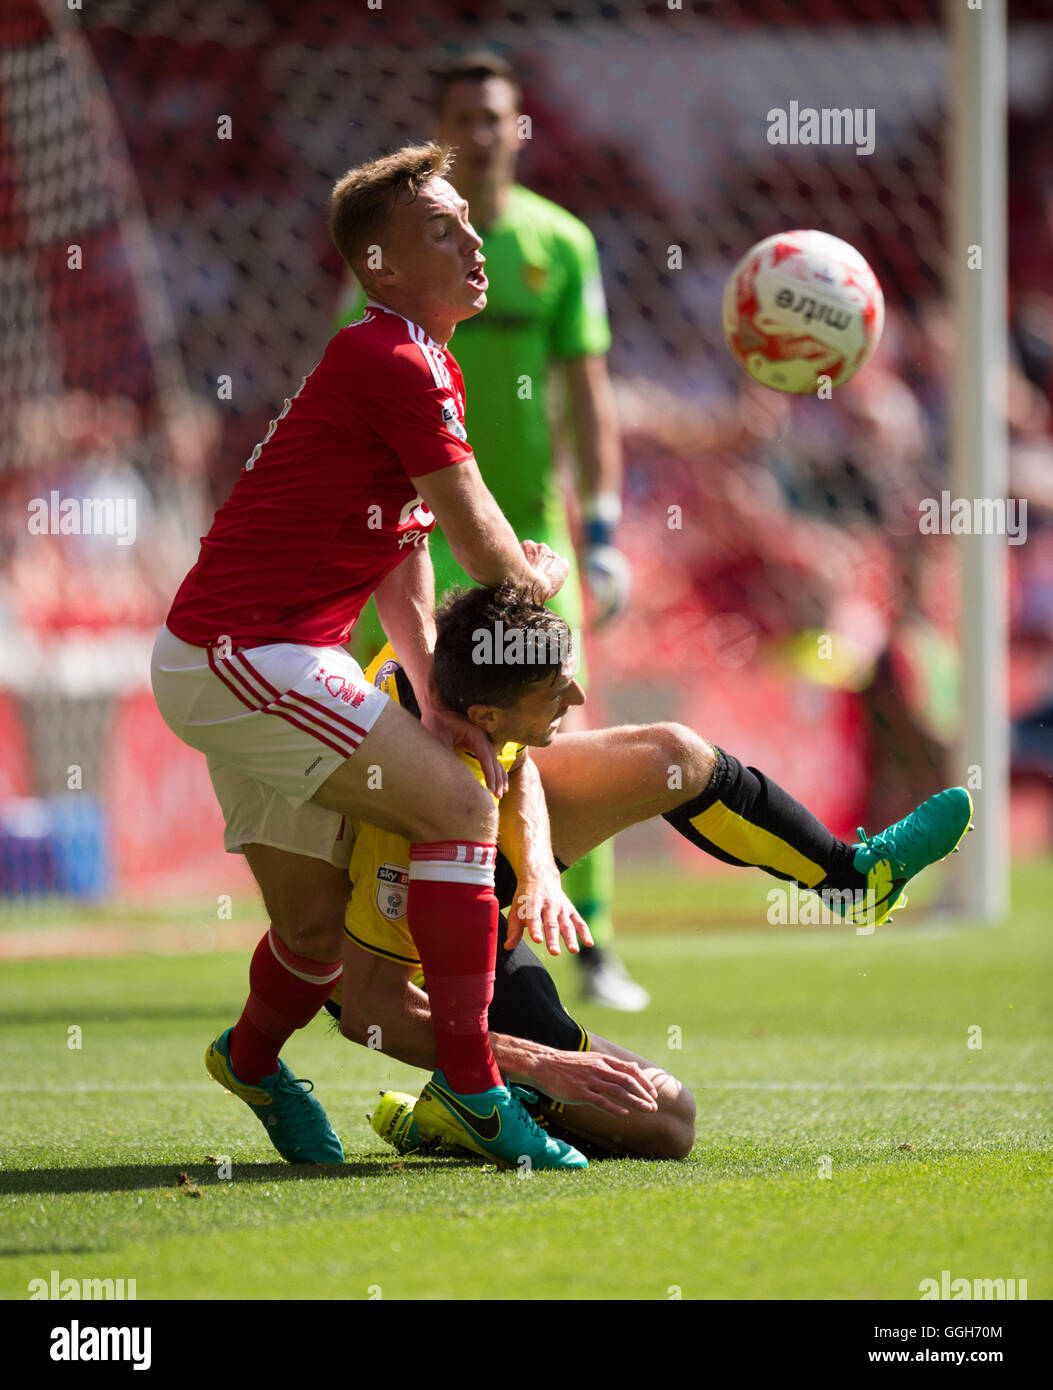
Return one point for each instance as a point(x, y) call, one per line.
point(545, 308)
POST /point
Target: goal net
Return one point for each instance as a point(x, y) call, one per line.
point(783, 604)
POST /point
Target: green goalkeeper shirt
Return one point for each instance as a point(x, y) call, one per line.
point(545, 302)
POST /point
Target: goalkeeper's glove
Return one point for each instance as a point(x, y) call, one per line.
point(607, 571)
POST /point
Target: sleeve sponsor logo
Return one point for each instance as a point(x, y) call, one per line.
point(386, 673)
point(415, 513)
point(415, 521)
point(451, 419)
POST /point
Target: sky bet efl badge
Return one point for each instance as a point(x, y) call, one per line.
point(392, 891)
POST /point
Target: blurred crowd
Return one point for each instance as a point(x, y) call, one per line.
point(757, 524)
point(794, 544)
point(81, 446)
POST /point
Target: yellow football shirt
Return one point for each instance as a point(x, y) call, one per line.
point(375, 918)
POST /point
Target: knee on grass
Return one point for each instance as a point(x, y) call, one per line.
point(674, 1133)
point(669, 1133)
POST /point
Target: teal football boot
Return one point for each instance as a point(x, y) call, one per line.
point(295, 1122)
point(892, 858)
point(493, 1123)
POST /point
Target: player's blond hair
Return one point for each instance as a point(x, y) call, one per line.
point(362, 199)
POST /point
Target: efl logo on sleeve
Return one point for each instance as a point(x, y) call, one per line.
point(451, 420)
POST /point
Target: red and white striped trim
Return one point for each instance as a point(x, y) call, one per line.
point(254, 691)
point(433, 355)
point(460, 851)
point(433, 351)
point(453, 861)
point(326, 972)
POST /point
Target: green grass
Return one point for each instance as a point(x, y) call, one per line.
point(806, 1049)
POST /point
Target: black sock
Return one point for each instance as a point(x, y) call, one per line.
point(744, 818)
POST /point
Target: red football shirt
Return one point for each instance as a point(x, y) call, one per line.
point(326, 506)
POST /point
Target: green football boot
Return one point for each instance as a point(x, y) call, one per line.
point(892, 858)
point(295, 1122)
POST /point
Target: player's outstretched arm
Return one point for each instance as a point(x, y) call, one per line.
point(379, 995)
point(585, 1078)
point(482, 541)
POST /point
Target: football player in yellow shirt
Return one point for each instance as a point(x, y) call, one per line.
point(623, 1103)
point(506, 662)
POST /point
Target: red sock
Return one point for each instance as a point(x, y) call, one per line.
point(285, 993)
point(452, 914)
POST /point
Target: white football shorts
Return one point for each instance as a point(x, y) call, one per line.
point(273, 723)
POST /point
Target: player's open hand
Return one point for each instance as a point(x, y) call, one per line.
point(551, 569)
point(457, 731)
point(546, 913)
point(591, 1078)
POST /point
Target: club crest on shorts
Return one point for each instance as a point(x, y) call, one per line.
point(392, 891)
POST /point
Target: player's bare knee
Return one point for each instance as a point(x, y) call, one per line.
point(353, 1023)
point(365, 1019)
point(479, 813)
point(313, 933)
point(685, 754)
point(674, 1129)
point(310, 924)
point(467, 812)
point(675, 1119)
point(682, 1130)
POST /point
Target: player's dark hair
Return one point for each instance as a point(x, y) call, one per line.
point(492, 643)
point(474, 67)
point(362, 200)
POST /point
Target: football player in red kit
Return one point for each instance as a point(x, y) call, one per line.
point(250, 668)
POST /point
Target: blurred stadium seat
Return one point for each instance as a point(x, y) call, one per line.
point(207, 287)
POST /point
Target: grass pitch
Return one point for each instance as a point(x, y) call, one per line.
point(851, 1142)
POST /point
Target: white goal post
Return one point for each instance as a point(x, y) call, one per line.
point(978, 434)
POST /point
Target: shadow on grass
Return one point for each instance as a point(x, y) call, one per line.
point(131, 1177)
point(158, 1012)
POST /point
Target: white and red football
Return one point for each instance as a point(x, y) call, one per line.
point(801, 306)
